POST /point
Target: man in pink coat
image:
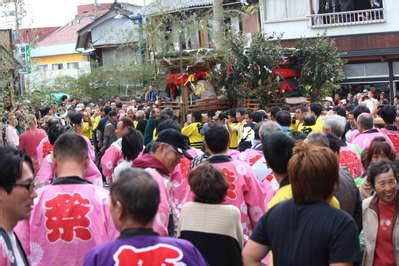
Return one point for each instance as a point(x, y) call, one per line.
point(70, 216)
point(46, 173)
point(365, 125)
point(245, 191)
point(159, 159)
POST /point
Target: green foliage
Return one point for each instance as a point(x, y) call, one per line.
point(101, 83)
point(321, 66)
point(247, 70)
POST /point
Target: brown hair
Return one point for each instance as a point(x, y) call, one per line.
point(313, 173)
point(379, 145)
point(208, 184)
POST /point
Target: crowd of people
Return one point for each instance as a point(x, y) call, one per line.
point(124, 183)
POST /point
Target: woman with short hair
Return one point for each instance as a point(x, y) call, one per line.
point(211, 226)
point(306, 230)
point(380, 218)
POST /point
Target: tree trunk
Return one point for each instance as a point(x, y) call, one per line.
point(218, 24)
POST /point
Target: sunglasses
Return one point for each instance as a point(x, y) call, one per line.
point(30, 186)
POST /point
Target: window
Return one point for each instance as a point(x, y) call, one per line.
point(366, 70)
point(396, 68)
point(42, 68)
point(58, 66)
point(286, 9)
point(73, 65)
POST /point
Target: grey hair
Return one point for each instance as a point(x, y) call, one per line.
point(318, 139)
point(336, 123)
point(268, 127)
point(365, 121)
point(140, 114)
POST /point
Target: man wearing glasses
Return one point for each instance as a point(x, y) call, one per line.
point(17, 192)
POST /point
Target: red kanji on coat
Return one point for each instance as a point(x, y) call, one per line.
point(66, 217)
point(160, 254)
point(230, 177)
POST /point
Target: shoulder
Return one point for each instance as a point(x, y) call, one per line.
point(366, 203)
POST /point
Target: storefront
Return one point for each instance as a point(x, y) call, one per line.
point(384, 76)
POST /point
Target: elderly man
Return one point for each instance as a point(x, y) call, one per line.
point(334, 127)
point(365, 125)
point(159, 159)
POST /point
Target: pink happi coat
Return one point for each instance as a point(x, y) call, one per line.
point(393, 135)
point(112, 157)
point(245, 192)
point(161, 220)
point(268, 182)
point(179, 181)
point(66, 222)
point(350, 159)
point(363, 140)
point(46, 172)
point(43, 149)
point(235, 154)
point(91, 152)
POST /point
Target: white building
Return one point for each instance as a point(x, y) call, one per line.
point(366, 33)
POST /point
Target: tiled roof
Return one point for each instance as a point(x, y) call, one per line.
point(173, 5)
point(68, 33)
point(58, 49)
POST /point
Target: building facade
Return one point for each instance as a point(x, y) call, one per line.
point(366, 34)
point(56, 56)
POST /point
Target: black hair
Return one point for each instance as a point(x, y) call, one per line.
point(11, 161)
point(340, 111)
point(197, 116)
point(71, 146)
point(242, 111)
point(388, 114)
point(113, 113)
point(258, 116)
point(231, 112)
point(309, 120)
point(138, 193)
point(277, 148)
point(359, 110)
point(132, 144)
point(217, 139)
point(211, 114)
point(107, 109)
point(380, 167)
point(222, 116)
point(54, 132)
point(168, 123)
point(316, 108)
point(76, 118)
point(283, 118)
point(274, 110)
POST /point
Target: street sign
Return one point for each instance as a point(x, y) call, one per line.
point(28, 63)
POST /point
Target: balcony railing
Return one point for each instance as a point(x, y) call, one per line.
point(358, 17)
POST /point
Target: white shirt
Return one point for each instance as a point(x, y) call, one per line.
point(17, 251)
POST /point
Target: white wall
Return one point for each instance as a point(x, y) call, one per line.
point(301, 27)
point(39, 76)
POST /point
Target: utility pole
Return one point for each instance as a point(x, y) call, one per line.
point(95, 8)
point(218, 24)
point(16, 14)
